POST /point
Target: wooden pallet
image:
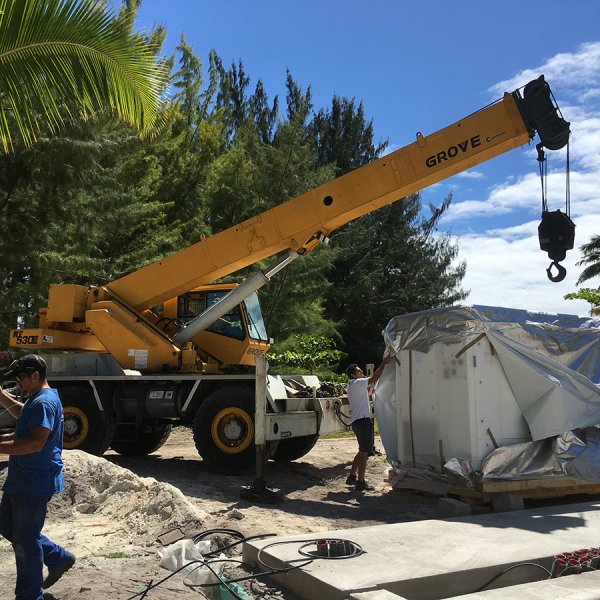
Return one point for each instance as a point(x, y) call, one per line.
point(484, 491)
point(528, 488)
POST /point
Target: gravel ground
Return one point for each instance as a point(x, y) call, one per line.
point(114, 510)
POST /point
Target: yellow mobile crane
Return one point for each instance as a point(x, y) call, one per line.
point(129, 371)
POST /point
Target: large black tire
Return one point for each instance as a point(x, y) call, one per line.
point(224, 430)
point(149, 439)
point(294, 448)
point(87, 427)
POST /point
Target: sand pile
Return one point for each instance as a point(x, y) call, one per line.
point(139, 507)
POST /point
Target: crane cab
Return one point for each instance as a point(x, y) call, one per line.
point(233, 339)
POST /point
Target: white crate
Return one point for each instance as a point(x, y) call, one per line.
point(454, 401)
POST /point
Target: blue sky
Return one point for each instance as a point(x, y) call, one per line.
point(419, 66)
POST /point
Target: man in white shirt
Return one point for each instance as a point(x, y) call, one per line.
point(358, 398)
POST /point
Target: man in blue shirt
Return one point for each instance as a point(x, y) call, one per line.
point(34, 475)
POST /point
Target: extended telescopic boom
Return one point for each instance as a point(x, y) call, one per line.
point(298, 223)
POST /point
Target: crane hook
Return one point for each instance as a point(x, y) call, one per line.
point(560, 275)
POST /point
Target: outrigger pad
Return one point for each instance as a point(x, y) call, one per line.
point(259, 492)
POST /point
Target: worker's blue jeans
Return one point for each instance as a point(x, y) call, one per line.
point(21, 521)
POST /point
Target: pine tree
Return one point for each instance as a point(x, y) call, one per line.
point(389, 262)
point(344, 137)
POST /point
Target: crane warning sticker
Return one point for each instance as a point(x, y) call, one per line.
point(140, 358)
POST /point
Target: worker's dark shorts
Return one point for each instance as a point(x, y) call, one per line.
point(363, 429)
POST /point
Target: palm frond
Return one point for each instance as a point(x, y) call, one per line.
point(64, 57)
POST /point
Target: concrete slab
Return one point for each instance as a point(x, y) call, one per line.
point(434, 559)
point(376, 595)
point(585, 586)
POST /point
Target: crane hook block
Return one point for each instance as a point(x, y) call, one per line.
point(556, 233)
point(561, 272)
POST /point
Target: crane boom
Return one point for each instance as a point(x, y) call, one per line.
point(296, 224)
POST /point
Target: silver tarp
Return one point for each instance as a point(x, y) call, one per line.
point(552, 363)
point(567, 339)
point(574, 454)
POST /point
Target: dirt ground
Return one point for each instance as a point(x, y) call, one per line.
point(114, 508)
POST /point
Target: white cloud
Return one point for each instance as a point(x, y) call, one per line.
point(508, 270)
point(505, 266)
point(471, 175)
point(570, 69)
point(467, 209)
point(591, 94)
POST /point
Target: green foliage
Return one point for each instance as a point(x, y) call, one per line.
point(65, 58)
point(73, 212)
point(188, 81)
point(250, 177)
point(99, 202)
point(240, 108)
point(118, 554)
point(344, 137)
point(590, 257)
point(307, 353)
point(299, 103)
point(589, 295)
point(389, 262)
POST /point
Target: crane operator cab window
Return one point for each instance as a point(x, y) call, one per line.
point(254, 318)
point(192, 304)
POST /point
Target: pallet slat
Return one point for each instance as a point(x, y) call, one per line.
point(484, 491)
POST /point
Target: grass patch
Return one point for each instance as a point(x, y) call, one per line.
point(116, 555)
point(338, 434)
point(345, 434)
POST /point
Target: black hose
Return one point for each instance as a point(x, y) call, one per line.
point(356, 551)
point(201, 562)
point(526, 564)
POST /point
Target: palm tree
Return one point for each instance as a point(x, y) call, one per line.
point(61, 59)
point(591, 257)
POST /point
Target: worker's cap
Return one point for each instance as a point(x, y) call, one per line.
point(26, 366)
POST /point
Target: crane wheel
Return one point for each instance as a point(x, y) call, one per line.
point(86, 427)
point(150, 438)
point(224, 429)
point(294, 448)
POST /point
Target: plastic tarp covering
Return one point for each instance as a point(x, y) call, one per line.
point(552, 364)
point(553, 398)
point(574, 454)
point(569, 340)
point(385, 412)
